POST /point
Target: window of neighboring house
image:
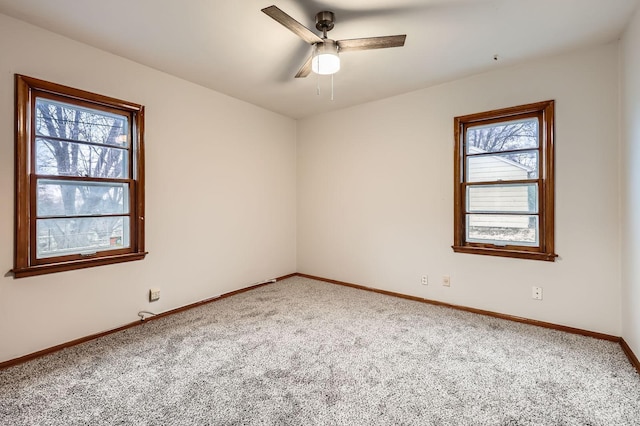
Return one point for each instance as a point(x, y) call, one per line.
point(504, 184)
point(79, 179)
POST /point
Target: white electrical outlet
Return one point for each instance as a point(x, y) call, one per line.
point(425, 280)
point(154, 294)
point(446, 280)
point(536, 293)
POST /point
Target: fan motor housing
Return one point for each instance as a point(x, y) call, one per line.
point(325, 20)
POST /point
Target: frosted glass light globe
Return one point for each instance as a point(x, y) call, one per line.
point(325, 58)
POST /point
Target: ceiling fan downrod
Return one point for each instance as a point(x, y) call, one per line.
point(325, 22)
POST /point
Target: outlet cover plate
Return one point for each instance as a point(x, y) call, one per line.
point(446, 280)
point(154, 294)
point(536, 293)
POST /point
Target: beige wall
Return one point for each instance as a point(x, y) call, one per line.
point(375, 188)
point(221, 207)
point(630, 183)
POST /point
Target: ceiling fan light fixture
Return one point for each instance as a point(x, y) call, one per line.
point(325, 59)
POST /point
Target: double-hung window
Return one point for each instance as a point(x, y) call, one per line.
point(504, 184)
point(79, 179)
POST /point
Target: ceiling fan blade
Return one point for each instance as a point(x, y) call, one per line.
point(294, 26)
point(371, 43)
point(305, 69)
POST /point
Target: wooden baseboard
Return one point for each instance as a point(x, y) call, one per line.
point(473, 310)
point(38, 354)
point(632, 357)
point(47, 351)
point(625, 347)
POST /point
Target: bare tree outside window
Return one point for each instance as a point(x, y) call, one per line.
point(72, 215)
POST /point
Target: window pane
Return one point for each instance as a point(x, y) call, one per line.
point(60, 237)
point(514, 166)
point(64, 198)
point(77, 159)
point(502, 198)
point(503, 229)
point(76, 123)
point(505, 136)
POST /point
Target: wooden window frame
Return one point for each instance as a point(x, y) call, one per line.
point(25, 262)
point(546, 198)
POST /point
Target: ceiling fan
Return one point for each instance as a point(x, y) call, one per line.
point(324, 59)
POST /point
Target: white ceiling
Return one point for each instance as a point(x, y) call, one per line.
point(234, 48)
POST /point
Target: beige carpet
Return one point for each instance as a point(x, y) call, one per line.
point(302, 352)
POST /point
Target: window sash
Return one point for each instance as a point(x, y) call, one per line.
point(481, 164)
point(46, 163)
point(516, 229)
point(467, 155)
point(69, 253)
point(121, 139)
point(89, 242)
point(512, 195)
point(87, 205)
point(472, 128)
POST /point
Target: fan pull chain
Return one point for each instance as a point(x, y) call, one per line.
point(318, 84)
point(332, 87)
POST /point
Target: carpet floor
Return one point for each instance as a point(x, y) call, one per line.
point(303, 352)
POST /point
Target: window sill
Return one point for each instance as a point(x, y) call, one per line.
point(75, 264)
point(505, 252)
